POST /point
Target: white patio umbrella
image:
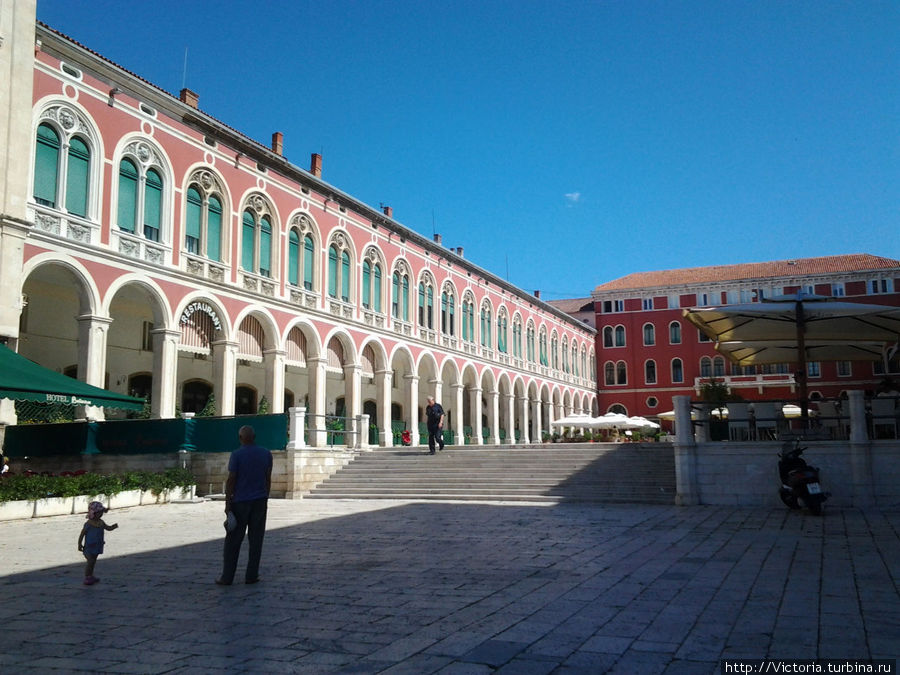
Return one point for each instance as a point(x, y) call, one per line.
point(797, 325)
point(640, 423)
point(609, 420)
point(573, 420)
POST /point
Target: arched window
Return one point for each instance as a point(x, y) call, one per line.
point(592, 372)
point(486, 322)
point(620, 336)
point(502, 332)
point(650, 372)
point(62, 161)
point(371, 281)
point(256, 243)
point(517, 338)
point(426, 304)
point(649, 334)
point(542, 344)
point(565, 355)
point(468, 320)
point(203, 216)
point(141, 190)
point(719, 366)
point(583, 362)
point(554, 352)
point(448, 312)
point(400, 295)
point(575, 359)
point(621, 373)
point(608, 336)
point(529, 343)
point(705, 367)
point(675, 333)
point(609, 373)
point(294, 258)
point(339, 285)
point(677, 371)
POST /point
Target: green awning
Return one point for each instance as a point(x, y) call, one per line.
point(24, 380)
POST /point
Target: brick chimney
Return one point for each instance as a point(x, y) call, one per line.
point(192, 98)
point(437, 239)
point(315, 165)
point(278, 143)
point(537, 294)
point(388, 211)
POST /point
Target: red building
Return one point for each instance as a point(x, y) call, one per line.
point(648, 353)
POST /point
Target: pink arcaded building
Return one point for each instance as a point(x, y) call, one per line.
point(149, 248)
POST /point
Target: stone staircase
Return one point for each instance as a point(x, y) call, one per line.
point(593, 472)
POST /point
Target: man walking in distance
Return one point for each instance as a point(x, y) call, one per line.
point(434, 417)
point(246, 498)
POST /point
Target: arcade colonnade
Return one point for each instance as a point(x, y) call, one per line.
point(176, 349)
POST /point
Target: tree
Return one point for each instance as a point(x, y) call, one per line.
point(209, 410)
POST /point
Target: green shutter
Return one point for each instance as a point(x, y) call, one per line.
point(265, 247)
point(294, 258)
point(214, 230)
point(248, 241)
point(376, 288)
point(78, 176)
point(307, 262)
point(46, 165)
point(152, 205)
point(332, 271)
point(192, 215)
point(366, 281)
point(128, 181)
point(345, 276)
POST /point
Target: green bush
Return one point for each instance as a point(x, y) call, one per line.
point(17, 487)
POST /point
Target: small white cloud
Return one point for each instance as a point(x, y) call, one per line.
point(573, 198)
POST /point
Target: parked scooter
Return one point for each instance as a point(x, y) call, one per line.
point(799, 481)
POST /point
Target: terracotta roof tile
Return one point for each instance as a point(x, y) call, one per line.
point(573, 305)
point(797, 267)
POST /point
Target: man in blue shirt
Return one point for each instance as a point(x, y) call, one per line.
point(247, 499)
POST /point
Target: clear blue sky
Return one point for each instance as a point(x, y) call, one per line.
point(569, 143)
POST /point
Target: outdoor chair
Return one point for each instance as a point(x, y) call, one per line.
point(831, 420)
point(738, 421)
point(884, 417)
point(766, 417)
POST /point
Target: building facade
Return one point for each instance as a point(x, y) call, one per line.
point(648, 353)
point(150, 249)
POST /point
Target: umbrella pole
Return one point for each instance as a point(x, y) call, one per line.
point(802, 370)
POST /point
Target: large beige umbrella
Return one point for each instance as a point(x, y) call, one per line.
point(795, 328)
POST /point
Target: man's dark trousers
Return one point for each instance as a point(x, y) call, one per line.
point(435, 435)
point(251, 517)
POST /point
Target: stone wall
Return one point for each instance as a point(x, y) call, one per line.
point(294, 472)
point(746, 473)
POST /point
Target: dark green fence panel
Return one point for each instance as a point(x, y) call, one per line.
point(220, 434)
point(138, 437)
point(45, 440)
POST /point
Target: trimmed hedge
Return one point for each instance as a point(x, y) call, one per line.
point(37, 486)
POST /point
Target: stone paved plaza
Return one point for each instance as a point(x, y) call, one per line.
point(439, 587)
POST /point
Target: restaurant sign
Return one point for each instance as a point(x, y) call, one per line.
point(204, 307)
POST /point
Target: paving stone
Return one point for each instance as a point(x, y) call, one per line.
point(409, 587)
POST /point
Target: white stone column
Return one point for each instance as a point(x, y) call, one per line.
point(296, 423)
point(510, 403)
point(458, 416)
point(412, 413)
point(224, 375)
point(494, 416)
point(536, 411)
point(316, 413)
point(686, 484)
point(477, 412)
point(92, 334)
point(383, 381)
point(164, 394)
point(274, 365)
point(352, 402)
point(523, 419)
